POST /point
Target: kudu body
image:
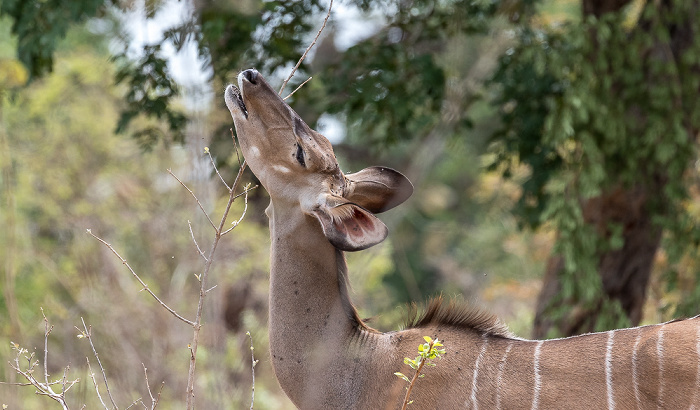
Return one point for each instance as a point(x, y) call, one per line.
point(325, 357)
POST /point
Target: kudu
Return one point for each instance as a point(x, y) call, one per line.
point(325, 357)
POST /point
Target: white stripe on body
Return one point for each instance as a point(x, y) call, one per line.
point(538, 378)
point(660, 355)
point(476, 370)
point(635, 372)
point(697, 371)
point(608, 370)
point(499, 377)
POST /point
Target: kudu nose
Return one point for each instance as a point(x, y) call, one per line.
point(251, 75)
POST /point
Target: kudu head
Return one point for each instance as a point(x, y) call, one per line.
point(298, 168)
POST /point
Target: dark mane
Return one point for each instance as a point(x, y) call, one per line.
point(459, 315)
point(437, 312)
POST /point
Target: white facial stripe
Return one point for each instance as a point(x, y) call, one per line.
point(255, 151)
point(282, 169)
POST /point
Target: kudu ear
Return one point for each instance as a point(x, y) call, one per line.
point(378, 189)
point(350, 227)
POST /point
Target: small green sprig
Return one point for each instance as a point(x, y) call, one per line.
point(427, 352)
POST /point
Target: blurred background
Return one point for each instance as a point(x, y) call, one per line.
point(552, 144)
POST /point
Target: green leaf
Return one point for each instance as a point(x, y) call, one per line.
point(402, 376)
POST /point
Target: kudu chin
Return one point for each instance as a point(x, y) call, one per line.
point(325, 357)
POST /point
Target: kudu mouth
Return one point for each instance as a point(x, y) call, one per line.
point(234, 100)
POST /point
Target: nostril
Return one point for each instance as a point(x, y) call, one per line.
point(251, 75)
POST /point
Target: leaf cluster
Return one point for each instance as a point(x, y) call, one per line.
point(599, 105)
point(40, 25)
point(427, 352)
point(397, 93)
point(151, 92)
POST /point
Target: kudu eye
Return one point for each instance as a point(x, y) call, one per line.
point(300, 156)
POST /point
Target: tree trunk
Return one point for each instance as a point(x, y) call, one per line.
point(624, 272)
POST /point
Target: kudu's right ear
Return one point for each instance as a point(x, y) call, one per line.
point(377, 189)
point(350, 227)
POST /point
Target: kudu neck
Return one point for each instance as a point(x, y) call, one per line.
point(311, 318)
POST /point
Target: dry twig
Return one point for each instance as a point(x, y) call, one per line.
point(199, 250)
point(87, 334)
point(253, 362)
point(219, 232)
point(297, 89)
point(154, 401)
point(303, 56)
point(195, 198)
point(138, 278)
point(42, 388)
point(206, 150)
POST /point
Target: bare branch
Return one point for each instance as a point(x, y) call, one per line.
point(154, 402)
point(199, 250)
point(88, 334)
point(138, 278)
point(297, 89)
point(203, 289)
point(47, 332)
point(44, 388)
point(284, 84)
point(195, 198)
point(246, 191)
point(235, 147)
point(135, 402)
point(216, 169)
point(94, 382)
point(245, 209)
point(253, 362)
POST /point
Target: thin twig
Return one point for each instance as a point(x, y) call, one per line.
point(94, 382)
point(47, 332)
point(253, 362)
point(139, 400)
point(245, 209)
point(138, 278)
point(297, 89)
point(43, 389)
point(203, 289)
point(216, 169)
point(199, 250)
point(194, 196)
point(154, 402)
point(235, 147)
point(246, 191)
point(284, 84)
point(88, 335)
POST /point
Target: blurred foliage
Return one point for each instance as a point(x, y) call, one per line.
point(40, 25)
point(150, 90)
point(595, 105)
point(64, 171)
point(413, 95)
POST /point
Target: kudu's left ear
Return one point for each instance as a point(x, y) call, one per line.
point(350, 227)
point(377, 189)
